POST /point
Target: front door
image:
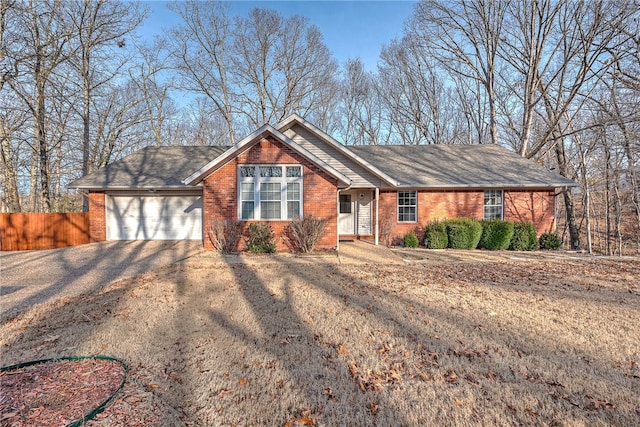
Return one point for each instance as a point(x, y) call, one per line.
point(346, 215)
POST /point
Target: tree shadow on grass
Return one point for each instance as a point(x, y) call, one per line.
point(236, 342)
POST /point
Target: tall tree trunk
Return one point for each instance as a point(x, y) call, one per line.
point(9, 176)
point(574, 234)
point(34, 205)
point(41, 136)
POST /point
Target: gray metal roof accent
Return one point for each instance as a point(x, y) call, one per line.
point(459, 166)
point(151, 167)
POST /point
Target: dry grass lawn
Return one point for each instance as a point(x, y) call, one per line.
point(280, 339)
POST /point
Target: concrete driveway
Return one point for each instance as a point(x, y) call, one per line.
point(28, 278)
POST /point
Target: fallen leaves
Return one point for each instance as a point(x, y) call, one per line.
point(373, 380)
point(342, 350)
point(57, 392)
point(304, 419)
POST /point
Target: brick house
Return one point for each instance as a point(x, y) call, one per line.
point(295, 169)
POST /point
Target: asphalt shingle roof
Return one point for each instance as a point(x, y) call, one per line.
point(151, 167)
point(462, 166)
point(426, 166)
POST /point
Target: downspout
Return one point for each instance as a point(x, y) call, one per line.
point(377, 215)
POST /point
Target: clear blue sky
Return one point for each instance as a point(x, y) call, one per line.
point(351, 29)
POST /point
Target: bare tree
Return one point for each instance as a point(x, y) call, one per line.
point(201, 55)
point(363, 109)
point(464, 37)
point(98, 29)
point(529, 48)
point(38, 49)
point(152, 75)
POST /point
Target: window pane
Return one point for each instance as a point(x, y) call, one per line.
point(294, 171)
point(407, 206)
point(247, 210)
point(407, 214)
point(247, 171)
point(345, 203)
point(293, 210)
point(293, 191)
point(493, 204)
point(270, 210)
point(270, 191)
point(270, 171)
point(246, 191)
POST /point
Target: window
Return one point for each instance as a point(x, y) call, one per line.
point(269, 192)
point(345, 203)
point(493, 204)
point(407, 206)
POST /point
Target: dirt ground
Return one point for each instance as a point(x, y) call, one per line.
point(370, 337)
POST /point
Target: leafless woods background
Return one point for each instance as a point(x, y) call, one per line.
point(556, 81)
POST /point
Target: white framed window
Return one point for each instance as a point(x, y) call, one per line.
point(269, 192)
point(407, 206)
point(493, 205)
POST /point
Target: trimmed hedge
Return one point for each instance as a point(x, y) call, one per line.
point(524, 237)
point(435, 235)
point(463, 233)
point(411, 240)
point(549, 241)
point(496, 235)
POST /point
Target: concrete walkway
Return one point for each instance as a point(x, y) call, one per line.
point(28, 278)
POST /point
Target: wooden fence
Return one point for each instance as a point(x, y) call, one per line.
point(22, 231)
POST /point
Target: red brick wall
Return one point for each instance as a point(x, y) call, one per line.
point(535, 206)
point(319, 192)
point(97, 217)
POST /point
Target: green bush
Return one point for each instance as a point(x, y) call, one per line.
point(463, 233)
point(435, 235)
point(261, 238)
point(524, 237)
point(549, 241)
point(496, 235)
point(410, 240)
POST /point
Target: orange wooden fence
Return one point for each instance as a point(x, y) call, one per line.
point(21, 231)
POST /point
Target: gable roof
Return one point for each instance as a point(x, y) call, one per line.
point(294, 119)
point(151, 167)
point(459, 166)
point(197, 176)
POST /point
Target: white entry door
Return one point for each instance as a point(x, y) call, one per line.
point(154, 217)
point(346, 214)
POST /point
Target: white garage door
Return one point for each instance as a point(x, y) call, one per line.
point(154, 217)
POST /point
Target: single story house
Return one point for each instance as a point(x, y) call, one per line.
point(295, 169)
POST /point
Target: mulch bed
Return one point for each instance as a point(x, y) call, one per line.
point(57, 392)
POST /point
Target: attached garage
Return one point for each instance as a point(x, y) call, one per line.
point(154, 216)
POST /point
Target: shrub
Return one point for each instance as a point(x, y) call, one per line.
point(463, 233)
point(387, 221)
point(410, 240)
point(435, 235)
point(261, 238)
point(549, 241)
point(225, 235)
point(496, 235)
point(524, 237)
point(305, 233)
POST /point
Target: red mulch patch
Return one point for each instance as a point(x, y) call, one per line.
point(56, 393)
